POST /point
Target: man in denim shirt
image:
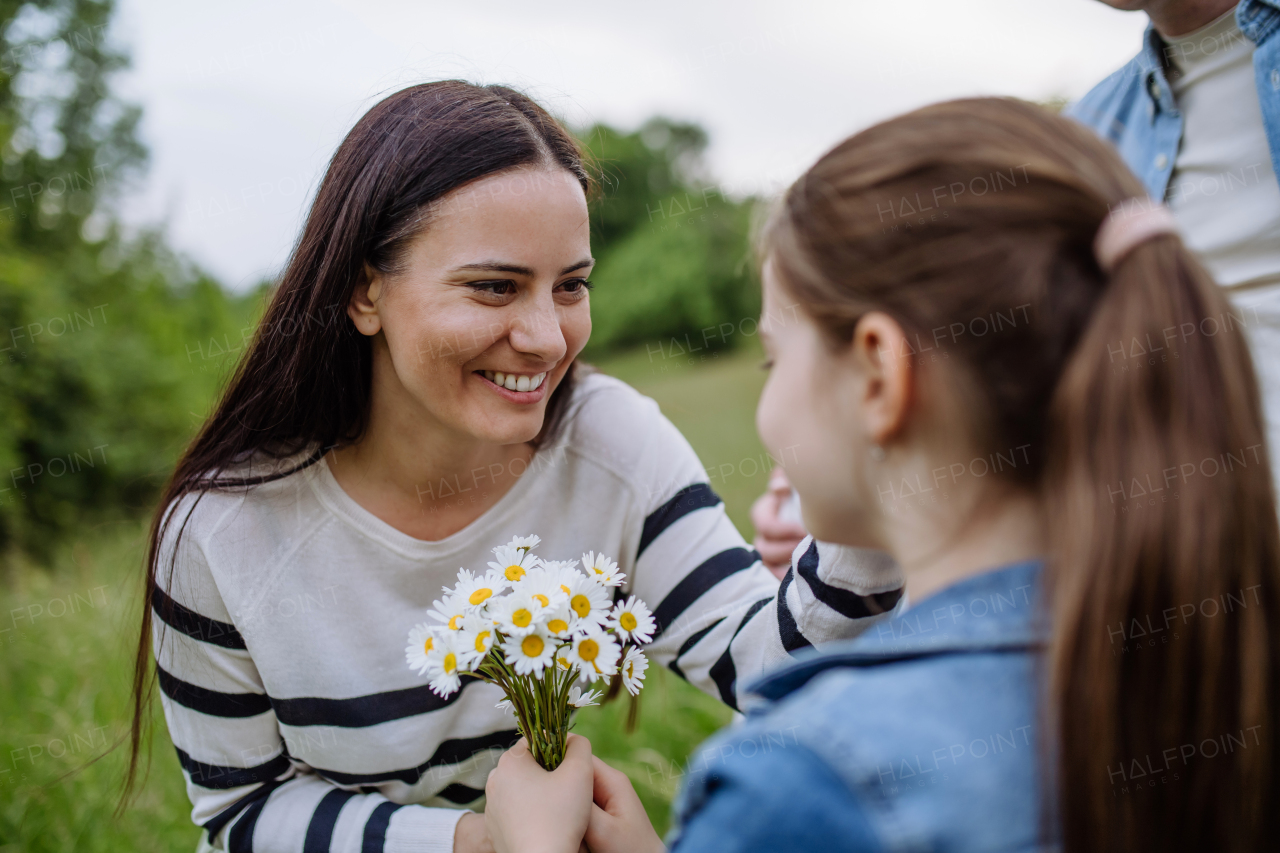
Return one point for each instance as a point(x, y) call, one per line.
point(1196, 115)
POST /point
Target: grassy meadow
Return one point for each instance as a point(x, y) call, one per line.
point(66, 632)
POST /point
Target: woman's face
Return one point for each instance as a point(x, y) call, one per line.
point(489, 310)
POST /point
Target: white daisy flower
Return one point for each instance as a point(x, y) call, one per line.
point(516, 615)
point(421, 641)
point(602, 569)
point(589, 602)
point(633, 666)
point(512, 563)
point(476, 590)
point(525, 542)
point(560, 621)
point(632, 620)
point(563, 572)
point(450, 611)
point(578, 699)
point(445, 662)
point(531, 653)
point(476, 634)
point(543, 586)
point(594, 653)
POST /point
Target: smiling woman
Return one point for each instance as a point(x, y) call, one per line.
point(409, 400)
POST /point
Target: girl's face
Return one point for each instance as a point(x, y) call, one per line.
point(489, 311)
point(810, 419)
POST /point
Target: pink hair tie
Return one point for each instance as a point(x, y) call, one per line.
point(1129, 224)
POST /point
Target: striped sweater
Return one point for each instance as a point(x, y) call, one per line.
point(280, 632)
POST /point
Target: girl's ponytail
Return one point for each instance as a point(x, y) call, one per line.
point(1164, 585)
point(973, 224)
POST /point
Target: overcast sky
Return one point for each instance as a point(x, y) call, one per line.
point(244, 102)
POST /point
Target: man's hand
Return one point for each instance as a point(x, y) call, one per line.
point(531, 810)
point(618, 820)
point(776, 537)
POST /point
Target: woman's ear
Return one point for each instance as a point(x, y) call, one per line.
point(363, 307)
point(880, 351)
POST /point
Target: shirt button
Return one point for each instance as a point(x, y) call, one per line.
point(1161, 161)
point(1275, 78)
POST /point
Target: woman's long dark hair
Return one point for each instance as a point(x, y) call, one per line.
point(302, 386)
point(1133, 382)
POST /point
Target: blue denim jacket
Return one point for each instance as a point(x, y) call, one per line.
point(1134, 108)
point(920, 734)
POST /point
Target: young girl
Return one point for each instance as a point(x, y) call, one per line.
point(410, 402)
point(1011, 375)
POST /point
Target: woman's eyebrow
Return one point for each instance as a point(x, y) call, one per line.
point(498, 266)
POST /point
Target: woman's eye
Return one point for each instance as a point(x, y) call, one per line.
point(576, 286)
point(497, 288)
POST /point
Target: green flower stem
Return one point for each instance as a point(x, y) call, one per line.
point(541, 704)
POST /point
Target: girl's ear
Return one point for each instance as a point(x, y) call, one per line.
point(363, 307)
point(879, 350)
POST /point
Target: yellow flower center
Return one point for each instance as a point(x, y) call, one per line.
point(521, 618)
point(426, 647)
point(564, 662)
point(631, 669)
point(588, 650)
point(532, 645)
point(556, 626)
point(565, 588)
point(453, 623)
point(627, 621)
point(514, 573)
point(480, 640)
point(581, 605)
point(480, 595)
point(450, 662)
point(541, 599)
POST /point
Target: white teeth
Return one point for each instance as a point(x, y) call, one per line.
point(515, 382)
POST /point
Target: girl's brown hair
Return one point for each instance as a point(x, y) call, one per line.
point(972, 224)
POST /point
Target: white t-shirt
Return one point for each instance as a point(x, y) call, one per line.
point(282, 662)
point(1224, 193)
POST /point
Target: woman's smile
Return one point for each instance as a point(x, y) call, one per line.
point(523, 388)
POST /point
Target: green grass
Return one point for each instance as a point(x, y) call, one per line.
point(66, 635)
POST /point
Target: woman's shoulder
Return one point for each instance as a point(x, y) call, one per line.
point(242, 496)
point(617, 427)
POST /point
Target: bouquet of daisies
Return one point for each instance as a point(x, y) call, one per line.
point(536, 628)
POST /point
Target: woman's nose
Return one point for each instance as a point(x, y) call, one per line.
point(536, 330)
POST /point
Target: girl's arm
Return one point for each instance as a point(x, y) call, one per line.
point(244, 789)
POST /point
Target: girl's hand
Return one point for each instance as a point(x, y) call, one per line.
point(531, 810)
point(618, 820)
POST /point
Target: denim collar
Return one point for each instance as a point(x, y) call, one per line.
point(1257, 19)
point(996, 611)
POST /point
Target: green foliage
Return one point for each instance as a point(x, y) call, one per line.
point(673, 252)
point(109, 347)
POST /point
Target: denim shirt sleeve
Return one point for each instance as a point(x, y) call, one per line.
point(749, 800)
